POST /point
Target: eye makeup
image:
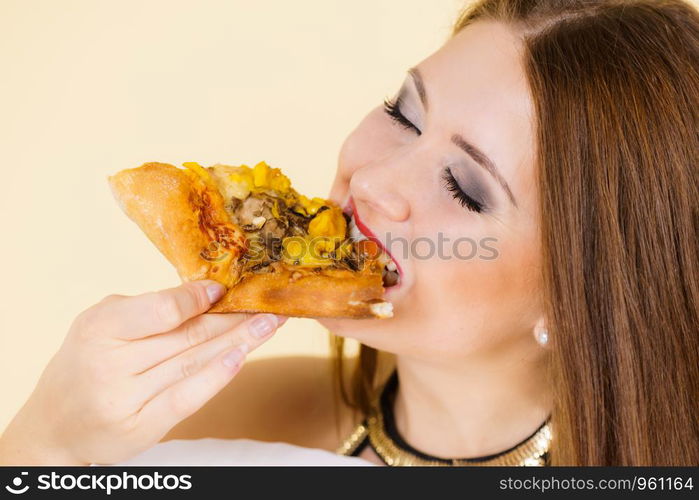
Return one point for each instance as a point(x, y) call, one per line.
point(393, 109)
point(466, 188)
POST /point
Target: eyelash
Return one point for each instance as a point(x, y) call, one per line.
point(392, 109)
point(464, 200)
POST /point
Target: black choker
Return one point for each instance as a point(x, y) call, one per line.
point(380, 432)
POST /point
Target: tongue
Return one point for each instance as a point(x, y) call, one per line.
point(390, 278)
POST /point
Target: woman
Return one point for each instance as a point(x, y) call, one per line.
point(551, 146)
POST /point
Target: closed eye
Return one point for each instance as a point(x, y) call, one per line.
point(462, 197)
point(392, 109)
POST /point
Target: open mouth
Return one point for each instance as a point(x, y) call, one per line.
point(358, 232)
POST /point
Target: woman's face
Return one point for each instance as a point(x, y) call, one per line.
point(446, 184)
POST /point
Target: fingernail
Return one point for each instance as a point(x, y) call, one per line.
point(234, 358)
point(215, 291)
point(263, 325)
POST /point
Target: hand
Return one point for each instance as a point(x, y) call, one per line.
point(129, 369)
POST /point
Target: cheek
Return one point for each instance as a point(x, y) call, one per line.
point(482, 300)
point(457, 307)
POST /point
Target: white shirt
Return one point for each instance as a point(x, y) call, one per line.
point(237, 452)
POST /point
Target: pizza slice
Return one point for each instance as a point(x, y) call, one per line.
point(275, 250)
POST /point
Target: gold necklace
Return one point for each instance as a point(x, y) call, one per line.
point(530, 452)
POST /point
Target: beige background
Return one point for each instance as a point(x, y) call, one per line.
point(90, 87)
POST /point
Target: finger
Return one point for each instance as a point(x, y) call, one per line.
point(146, 353)
point(251, 334)
point(155, 312)
point(182, 399)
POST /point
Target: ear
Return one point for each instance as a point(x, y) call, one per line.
point(541, 333)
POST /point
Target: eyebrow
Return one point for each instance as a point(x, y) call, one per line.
point(485, 162)
point(419, 85)
point(471, 150)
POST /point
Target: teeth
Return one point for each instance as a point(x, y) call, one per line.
point(391, 266)
point(384, 258)
point(355, 233)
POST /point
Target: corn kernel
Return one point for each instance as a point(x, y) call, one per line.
point(309, 207)
point(197, 169)
point(293, 247)
point(330, 223)
point(240, 184)
point(279, 182)
point(303, 252)
point(261, 174)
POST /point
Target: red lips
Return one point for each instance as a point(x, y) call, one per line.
point(369, 234)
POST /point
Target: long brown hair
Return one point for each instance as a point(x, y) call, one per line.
point(615, 86)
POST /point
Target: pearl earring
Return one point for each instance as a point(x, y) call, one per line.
point(542, 337)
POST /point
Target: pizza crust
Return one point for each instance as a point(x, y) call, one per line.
point(326, 293)
point(184, 216)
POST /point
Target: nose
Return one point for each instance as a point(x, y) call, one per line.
point(379, 187)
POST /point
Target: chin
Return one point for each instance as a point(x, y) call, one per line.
point(358, 329)
point(377, 333)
